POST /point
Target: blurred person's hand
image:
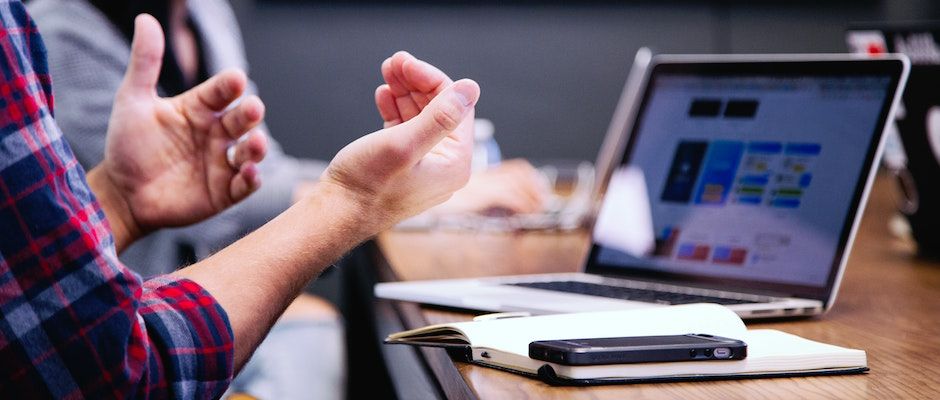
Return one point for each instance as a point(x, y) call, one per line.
point(512, 187)
point(165, 159)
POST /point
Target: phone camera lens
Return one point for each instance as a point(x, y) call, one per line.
point(693, 353)
point(708, 352)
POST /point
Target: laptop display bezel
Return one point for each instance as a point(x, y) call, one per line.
point(818, 65)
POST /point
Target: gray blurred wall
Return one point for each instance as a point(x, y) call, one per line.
point(550, 73)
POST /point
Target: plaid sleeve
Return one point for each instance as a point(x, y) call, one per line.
point(75, 322)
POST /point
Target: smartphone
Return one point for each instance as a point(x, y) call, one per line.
point(638, 349)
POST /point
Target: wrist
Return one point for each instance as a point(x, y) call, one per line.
point(351, 212)
point(116, 209)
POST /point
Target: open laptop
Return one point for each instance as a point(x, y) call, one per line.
point(741, 182)
point(569, 212)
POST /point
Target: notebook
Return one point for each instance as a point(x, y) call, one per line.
point(503, 344)
point(739, 180)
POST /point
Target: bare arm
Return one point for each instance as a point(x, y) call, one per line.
point(372, 184)
point(255, 278)
point(165, 166)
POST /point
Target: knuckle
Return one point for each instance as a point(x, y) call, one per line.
point(221, 90)
point(149, 58)
point(447, 117)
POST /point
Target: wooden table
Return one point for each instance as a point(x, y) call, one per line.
point(888, 305)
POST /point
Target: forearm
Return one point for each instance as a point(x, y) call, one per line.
point(255, 278)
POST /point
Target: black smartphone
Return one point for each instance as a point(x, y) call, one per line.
point(638, 349)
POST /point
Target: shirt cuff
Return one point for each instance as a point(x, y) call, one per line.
point(195, 345)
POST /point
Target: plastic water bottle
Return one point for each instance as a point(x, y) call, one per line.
point(485, 149)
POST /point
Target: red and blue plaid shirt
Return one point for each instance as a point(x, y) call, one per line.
point(76, 323)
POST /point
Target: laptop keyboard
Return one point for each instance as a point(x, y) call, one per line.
point(634, 294)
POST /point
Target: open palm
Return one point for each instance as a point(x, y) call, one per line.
point(167, 156)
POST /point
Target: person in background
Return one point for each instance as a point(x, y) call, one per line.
point(76, 323)
point(88, 44)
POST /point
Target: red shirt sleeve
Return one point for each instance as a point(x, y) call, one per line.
point(75, 322)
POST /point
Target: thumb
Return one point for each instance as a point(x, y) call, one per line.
point(441, 117)
point(143, 70)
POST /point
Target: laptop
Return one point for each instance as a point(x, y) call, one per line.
point(741, 181)
point(561, 213)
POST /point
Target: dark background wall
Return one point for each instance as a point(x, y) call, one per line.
point(550, 72)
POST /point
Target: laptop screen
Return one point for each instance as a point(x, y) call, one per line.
point(750, 178)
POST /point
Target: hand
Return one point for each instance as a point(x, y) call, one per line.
point(370, 185)
point(165, 162)
point(410, 85)
point(513, 187)
point(402, 170)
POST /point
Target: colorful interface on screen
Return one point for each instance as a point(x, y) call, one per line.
point(752, 177)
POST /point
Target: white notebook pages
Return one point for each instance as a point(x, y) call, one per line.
point(504, 343)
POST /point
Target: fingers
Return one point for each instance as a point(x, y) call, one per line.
point(501, 190)
point(408, 108)
point(143, 69)
point(244, 117)
point(209, 101)
point(391, 72)
point(407, 74)
point(513, 201)
point(249, 151)
point(424, 77)
point(405, 106)
point(525, 199)
point(441, 117)
point(216, 93)
point(531, 184)
point(245, 182)
point(385, 102)
point(251, 148)
point(514, 185)
point(412, 83)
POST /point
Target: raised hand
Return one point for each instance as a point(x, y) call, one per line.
point(410, 85)
point(165, 158)
point(411, 166)
point(371, 184)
